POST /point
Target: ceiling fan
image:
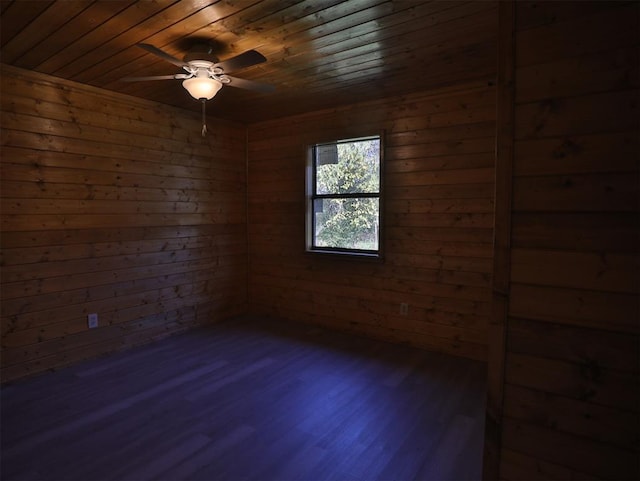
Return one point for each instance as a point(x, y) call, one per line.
point(204, 75)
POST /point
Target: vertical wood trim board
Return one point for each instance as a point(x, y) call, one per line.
point(497, 328)
point(116, 206)
point(439, 183)
point(572, 376)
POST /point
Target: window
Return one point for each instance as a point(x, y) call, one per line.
point(343, 187)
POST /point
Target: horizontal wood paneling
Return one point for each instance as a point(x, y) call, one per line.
point(576, 155)
point(598, 459)
point(572, 392)
point(438, 222)
point(115, 206)
point(570, 415)
point(516, 465)
point(318, 52)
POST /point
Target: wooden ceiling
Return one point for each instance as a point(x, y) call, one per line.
point(320, 53)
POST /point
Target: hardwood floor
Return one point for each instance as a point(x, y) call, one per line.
point(250, 400)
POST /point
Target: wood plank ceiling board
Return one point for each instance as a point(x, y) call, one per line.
point(320, 53)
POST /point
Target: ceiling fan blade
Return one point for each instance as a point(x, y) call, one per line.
point(249, 85)
point(244, 60)
point(162, 55)
point(155, 77)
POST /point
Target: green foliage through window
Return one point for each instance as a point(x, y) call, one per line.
point(346, 196)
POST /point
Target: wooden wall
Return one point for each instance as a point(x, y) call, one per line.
point(116, 206)
point(438, 221)
point(571, 391)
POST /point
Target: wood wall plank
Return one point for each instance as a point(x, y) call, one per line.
point(577, 155)
point(572, 416)
point(572, 390)
point(599, 460)
point(498, 321)
point(516, 465)
point(116, 206)
point(438, 222)
point(599, 29)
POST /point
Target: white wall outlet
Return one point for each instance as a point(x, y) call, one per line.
point(92, 320)
point(404, 308)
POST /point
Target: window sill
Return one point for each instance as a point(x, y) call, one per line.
point(345, 255)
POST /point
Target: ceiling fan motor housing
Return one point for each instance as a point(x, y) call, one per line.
point(200, 52)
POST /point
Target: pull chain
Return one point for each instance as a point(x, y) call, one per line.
point(204, 119)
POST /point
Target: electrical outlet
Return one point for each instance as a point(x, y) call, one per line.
point(92, 320)
point(404, 308)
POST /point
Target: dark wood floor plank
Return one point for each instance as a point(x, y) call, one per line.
point(251, 399)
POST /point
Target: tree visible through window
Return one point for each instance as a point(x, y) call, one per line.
point(345, 196)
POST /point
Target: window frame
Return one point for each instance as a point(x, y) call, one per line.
point(312, 196)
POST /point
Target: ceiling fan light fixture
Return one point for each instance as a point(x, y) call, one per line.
point(202, 87)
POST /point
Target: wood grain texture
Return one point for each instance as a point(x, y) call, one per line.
point(116, 206)
point(572, 396)
point(250, 399)
point(318, 52)
point(502, 252)
point(438, 223)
